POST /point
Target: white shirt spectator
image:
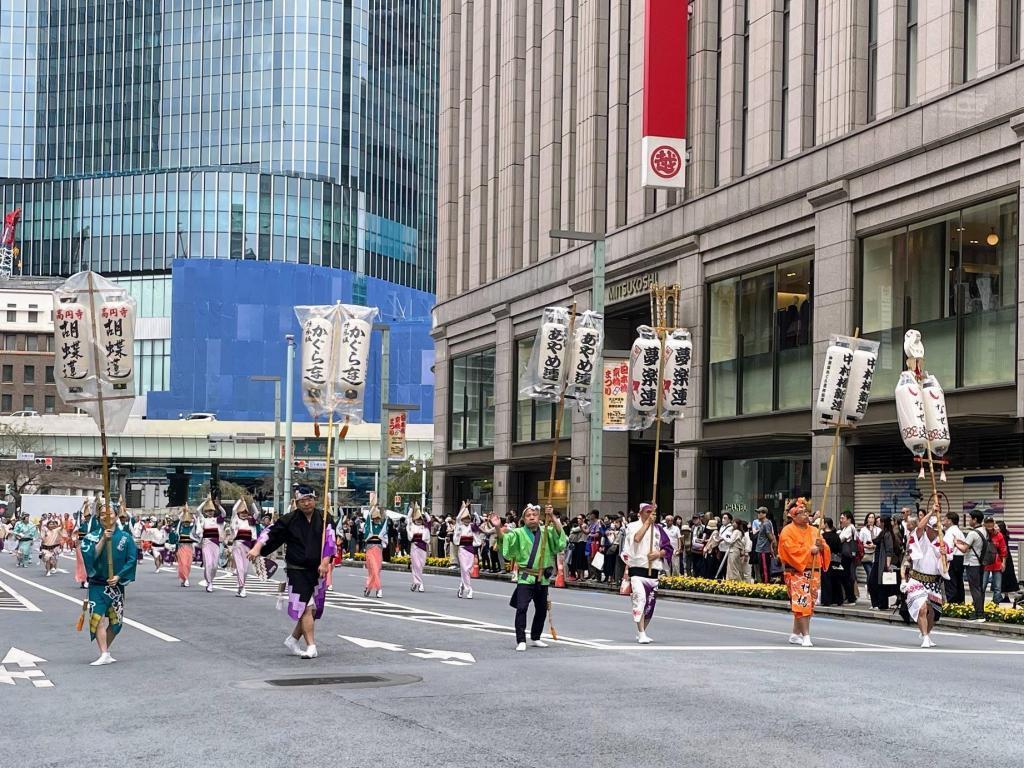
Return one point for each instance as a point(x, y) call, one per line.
point(954, 534)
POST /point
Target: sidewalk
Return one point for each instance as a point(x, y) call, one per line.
point(855, 614)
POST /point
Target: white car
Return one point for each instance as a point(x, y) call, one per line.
point(199, 417)
point(24, 414)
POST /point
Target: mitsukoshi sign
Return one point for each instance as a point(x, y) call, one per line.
point(664, 124)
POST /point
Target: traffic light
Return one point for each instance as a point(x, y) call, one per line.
point(299, 466)
point(45, 462)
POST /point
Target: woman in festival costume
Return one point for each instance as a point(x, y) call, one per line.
point(210, 527)
point(644, 555)
point(49, 545)
point(106, 591)
point(153, 538)
point(804, 554)
point(467, 538)
point(419, 536)
point(24, 534)
point(244, 534)
point(182, 536)
point(375, 537)
point(929, 557)
point(310, 545)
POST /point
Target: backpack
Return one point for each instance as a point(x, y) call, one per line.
point(988, 554)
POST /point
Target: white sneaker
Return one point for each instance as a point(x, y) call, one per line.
point(805, 641)
point(796, 639)
point(292, 645)
point(103, 660)
point(420, 588)
point(521, 647)
point(186, 584)
point(203, 582)
point(643, 639)
point(380, 593)
point(309, 653)
point(926, 642)
point(469, 595)
point(538, 644)
point(241, 592)
point(209, 588)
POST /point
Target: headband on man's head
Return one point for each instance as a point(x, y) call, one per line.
point(304, 492)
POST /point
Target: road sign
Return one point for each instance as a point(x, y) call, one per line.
point(26, 456)
point(342, 477)
point(316, 464)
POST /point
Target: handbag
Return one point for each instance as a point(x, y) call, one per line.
point(625, 587)
point(598, 562)
point(889, 578)
point(775, 567)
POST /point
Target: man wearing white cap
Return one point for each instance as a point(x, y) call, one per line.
point(643, 550)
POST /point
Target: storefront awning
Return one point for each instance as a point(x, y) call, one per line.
point(752, 445)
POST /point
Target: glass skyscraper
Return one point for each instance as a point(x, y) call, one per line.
point(303, 131)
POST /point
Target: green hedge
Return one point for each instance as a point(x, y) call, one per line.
point(734, 588)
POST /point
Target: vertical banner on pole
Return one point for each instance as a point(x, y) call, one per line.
point(664, 123)
point(396, 434)
point(616, 390)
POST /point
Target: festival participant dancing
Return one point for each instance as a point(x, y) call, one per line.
point(210, 525)
point(375, 539)
point(24, 534)
point(419, 536)
point(800, 545)
point(924, 589)
point(644, 562)
point(310, 547)
point(467, 538)
point(49, 545)
point(84, 526)
point(244, 528)
point(182, 537)
point(155, 537)
point(521, 545)
point(106, 592)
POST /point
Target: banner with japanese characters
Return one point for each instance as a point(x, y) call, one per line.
point(94, 350)
point(845, 385)
point(616, 390)
point(396, 434)
point(587, 340)
point(545, 374)
point(335, 352)
point(644, 373)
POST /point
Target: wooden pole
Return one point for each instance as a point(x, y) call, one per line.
point(327, 480)
point(539, 573)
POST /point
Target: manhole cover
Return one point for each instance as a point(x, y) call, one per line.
point(334, 681)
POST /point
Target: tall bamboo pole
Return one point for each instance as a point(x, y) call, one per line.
point(107, 519)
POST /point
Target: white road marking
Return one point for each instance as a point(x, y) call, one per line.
point(818, 649)
point(363, 643)
point(23, 659)
point(1017, 642)
point(446, 656)
point(77, 601)
point(28, 604)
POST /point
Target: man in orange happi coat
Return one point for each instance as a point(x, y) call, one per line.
point(800, 549)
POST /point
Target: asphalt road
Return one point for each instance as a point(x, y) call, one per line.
point(720, 686)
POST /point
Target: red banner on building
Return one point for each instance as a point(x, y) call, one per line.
point(664, 124)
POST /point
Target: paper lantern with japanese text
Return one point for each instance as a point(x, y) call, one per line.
point(544, 377)
point(910, 413)
point(858, 389)
point(117, 341)
point(353, 359)
point(835, 376)
point(73, 341)
point(676, 374)
point(587, 340)
point(935, 420)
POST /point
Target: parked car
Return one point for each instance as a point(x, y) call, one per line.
point(198, 417)
point(25, 414)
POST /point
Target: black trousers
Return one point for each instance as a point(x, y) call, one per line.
point(955, 585)
point(977, 585)
point(522, 597)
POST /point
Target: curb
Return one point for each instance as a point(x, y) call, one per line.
point(855, 614)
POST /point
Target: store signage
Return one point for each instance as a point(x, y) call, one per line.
point(664, 119)
point(396, 434)
point(342, 477)
point(630, 287)
point(616, 389)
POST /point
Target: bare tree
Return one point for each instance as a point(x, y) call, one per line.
point(21, 476)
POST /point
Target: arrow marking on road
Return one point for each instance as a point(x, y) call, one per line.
point(22, 658)
point(363, 643)
point(456, 658)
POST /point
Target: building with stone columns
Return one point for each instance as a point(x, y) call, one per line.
point(853, 164)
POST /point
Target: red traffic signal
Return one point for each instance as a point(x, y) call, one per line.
point(299, 465)
point(45, 462)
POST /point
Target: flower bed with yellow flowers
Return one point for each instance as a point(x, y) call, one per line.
point(992, 613)
point(732, 588)
point(434, 562)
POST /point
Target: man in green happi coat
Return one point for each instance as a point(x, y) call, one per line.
point(535, 549)
point(108, 574)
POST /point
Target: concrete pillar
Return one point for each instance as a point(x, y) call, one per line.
point(835, 271)
point(842, 67)
point(703, 107)
point(939, 47)
point(1017, 124)
point(440, 448)
point(799, 129)
point(993, 47)
point(764, 85)
point(730, 92)
point(891, 88)
point(503, 497)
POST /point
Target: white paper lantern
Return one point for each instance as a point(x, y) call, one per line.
point(643, 370)
point(910, 413)
point(676, 373)
point(117, 340)
point(317, 347)
point(551, 356)
point(835, 376)
point(586, 346)
point(858, 390)
point(73, 332)
point(353, 358)
point(935, 415)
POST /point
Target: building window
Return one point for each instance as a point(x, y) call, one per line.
point(953, 278)
point(12, 316)
point(534, 420)
point(744, 132)
point(49, 343)
point(6, 403)
point(50, 404)
point(49, 375)
point(32, 343)
point(1015, 11)
point(30, 374)
point(970, 40)
point(472, 401)
point(10, 342)
point(872, 58)
point(780, 151)
point(911, 68)
point(7, 377)
point(152, 365)
point(33, 317)
point(760, 341)
point(28, 402)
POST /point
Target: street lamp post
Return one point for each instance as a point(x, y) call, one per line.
point(114, 480)
point(597, 385)
point(290, 339)
point(277, 438)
